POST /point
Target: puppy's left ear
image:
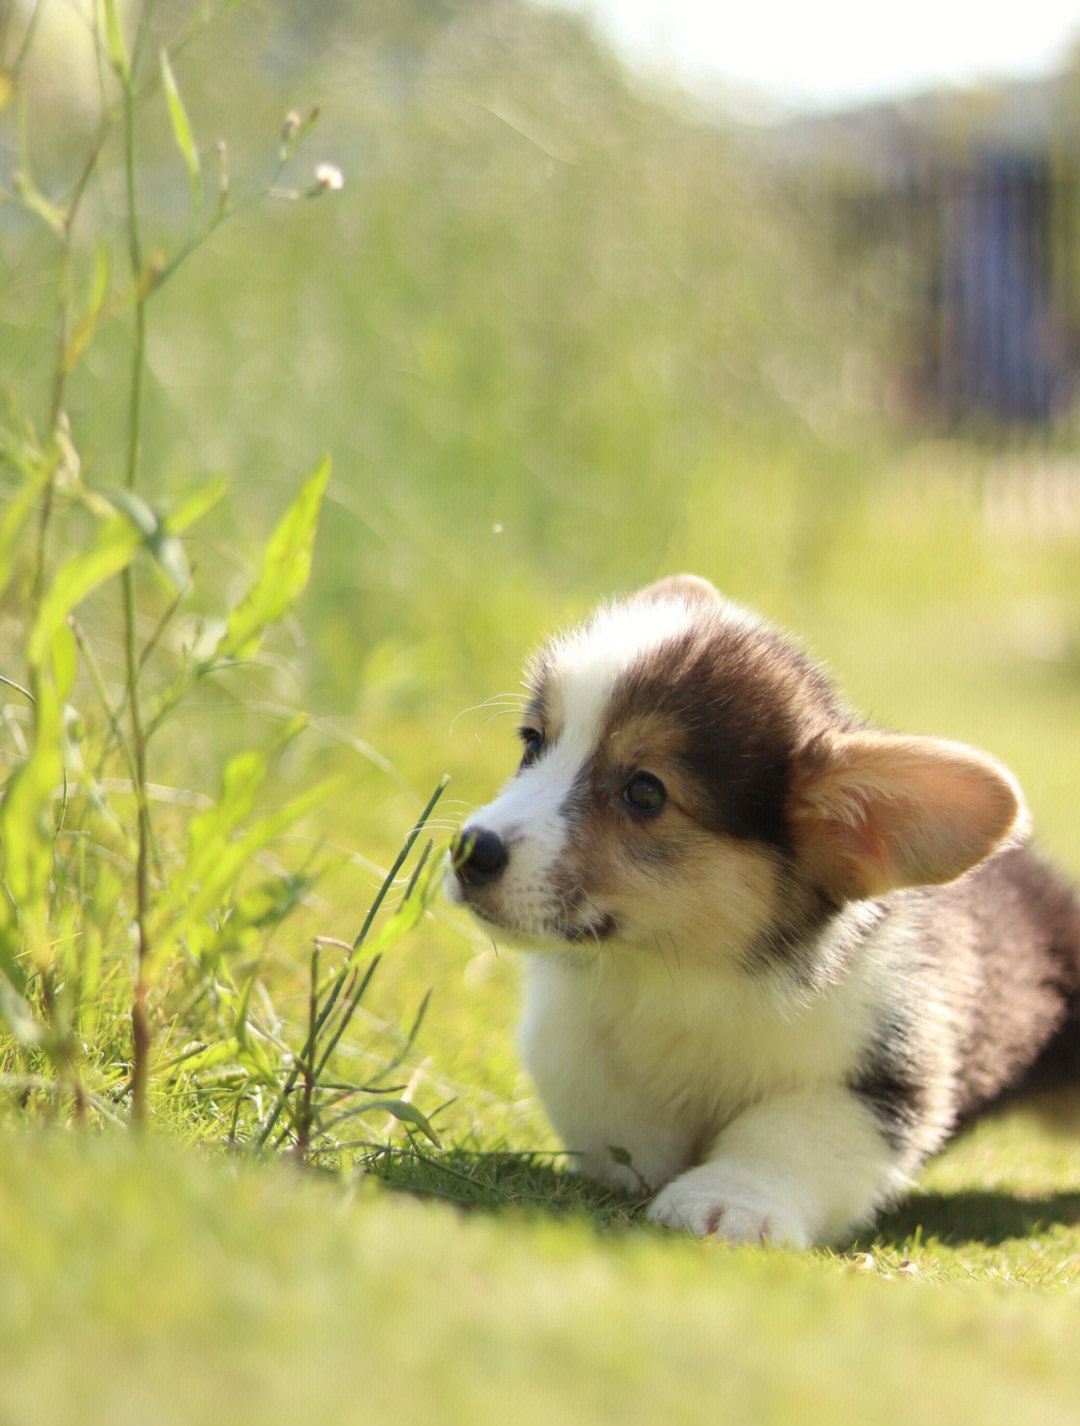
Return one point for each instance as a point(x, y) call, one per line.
point(691, 588)
point(871, 812)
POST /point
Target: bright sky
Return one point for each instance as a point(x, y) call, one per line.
point(835, 52)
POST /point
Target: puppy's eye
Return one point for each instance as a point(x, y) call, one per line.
point(533, 741)
point(645, 793)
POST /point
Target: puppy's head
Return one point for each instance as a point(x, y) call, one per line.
point(689, 783)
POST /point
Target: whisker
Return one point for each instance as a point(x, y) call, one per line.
point(499, 703)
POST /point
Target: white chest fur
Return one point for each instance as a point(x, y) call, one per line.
point(654, 1060)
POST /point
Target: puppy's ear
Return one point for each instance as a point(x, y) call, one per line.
point(689, 587)
point(871, 812)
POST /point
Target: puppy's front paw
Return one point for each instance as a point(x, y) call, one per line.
point(711, 1201)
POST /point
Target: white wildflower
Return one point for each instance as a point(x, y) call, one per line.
point(329, 177)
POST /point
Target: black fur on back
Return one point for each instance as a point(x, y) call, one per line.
point(1026, 1025)
point(986, 1000)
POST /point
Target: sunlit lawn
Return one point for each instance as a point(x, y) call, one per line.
point(559, 339)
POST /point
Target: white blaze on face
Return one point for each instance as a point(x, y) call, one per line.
point(531, 815)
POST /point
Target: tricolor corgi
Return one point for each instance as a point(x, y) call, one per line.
point(776, 955)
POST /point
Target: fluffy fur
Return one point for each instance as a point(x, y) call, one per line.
point(778, 956)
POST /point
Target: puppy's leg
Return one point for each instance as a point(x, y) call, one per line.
point(802, 1168)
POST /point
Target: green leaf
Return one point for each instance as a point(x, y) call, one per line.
point(182, 130)
point(210, 832)
point(159, 532)
point(115, 546)
point(255, 1060)
point(272, 900)
point(27, 823)
point(240, 1030)
point(202, 1057)
point(222, 844)
point(159, 540)
point(114, 41)
point(64, 661)
point(141, 514)
point(194, 506)
point(18, 508)
point(35, 202)
point(170, 555)
point(240, 782)
point(96, 308)
point(413, 905)
point(403, 1110)
point(286, 566)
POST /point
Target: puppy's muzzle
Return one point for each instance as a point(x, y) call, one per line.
point(479, 856)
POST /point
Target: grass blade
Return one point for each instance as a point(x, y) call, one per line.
point(343, 976)
point(181, 128)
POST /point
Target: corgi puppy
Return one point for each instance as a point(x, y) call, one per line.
point(777, 955)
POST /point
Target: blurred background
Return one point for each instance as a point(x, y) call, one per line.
point(604, 296)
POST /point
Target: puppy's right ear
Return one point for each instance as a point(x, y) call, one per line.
point(689, 587)
point(871, 812)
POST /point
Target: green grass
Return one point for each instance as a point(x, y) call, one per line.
point(560, 337)
point(141, 1282)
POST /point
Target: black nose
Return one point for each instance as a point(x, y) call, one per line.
point(479, 856)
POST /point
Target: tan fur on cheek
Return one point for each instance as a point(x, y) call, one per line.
point(698, 895)
point(718, 902)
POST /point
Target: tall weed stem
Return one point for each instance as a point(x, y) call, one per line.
point(140, 1020)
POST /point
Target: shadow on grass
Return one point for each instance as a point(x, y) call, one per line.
point(502, 1179)
point(989, 1218)
point(542, 1183)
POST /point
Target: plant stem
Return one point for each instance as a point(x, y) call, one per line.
point(343, 977)
point(140, 1019)
point(303, 1126)
point(60, 371)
